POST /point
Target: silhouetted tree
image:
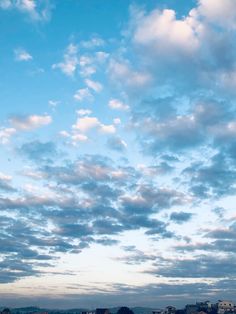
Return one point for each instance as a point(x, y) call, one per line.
point(125, 310)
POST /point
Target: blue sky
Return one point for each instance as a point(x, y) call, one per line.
point(118, 152)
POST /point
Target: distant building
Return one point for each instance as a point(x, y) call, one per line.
point(225, 306)
point(205, 306)
point(191, 309)
point(170, 310)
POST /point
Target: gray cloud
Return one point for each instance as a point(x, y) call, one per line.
point(180, 217)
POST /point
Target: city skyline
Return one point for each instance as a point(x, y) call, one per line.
point(117, 152)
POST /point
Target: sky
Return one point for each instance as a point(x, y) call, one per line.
point(117, 152)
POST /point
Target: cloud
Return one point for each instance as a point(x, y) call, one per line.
point(6, 134)
point(39, 151)
point(175, 74)
point(83, 94)
point(74, 137)
point(87, 66)
point(164, 33)
point(121, 71)
point(94, 42)
point(27, 123)
point(22, 55)
point(117, 144)
point(200, 267)
point(53, 103)
point(107, 128)
point(86, 124)
point(214, 179)
point(117, 105)
point(180, 217)
point(95, 86)
point(70, 62)
point(135, 256)
point(37, 11)
point(5, 183)
point(84, 112)
point(221, 12)
point(117, 121)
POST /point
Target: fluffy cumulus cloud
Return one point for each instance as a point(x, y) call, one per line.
point(162, 31)
point(87, 123)
point(220, 12)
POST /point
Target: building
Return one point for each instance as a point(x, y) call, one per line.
point(170, 310)
point(191, 309)
point(204, 306)
point(225, 306)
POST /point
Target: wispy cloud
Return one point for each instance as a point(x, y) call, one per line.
point(22, 55)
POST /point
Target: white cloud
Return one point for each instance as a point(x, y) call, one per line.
point(37, 10)
point(161, 31)
point(101, 56)
point(122, 72)
point(74, 136)
point(83, 112)
point(110, 129)
point(117, 104)
point(85, 61)
point(87, 67)
point(222, 12)
point(70, 62)
point(64, 133)
point(88, 71)
point(5, 177)
point(22, 55)
point(26, 123)
point(92, 43)
point(83, 94)
point(79, 138)
point(6, 134)
point(117, 121)
point(86, 124)
point(53, 103)
point(95, 86)
point(27, 5)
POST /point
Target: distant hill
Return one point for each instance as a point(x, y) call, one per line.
point(34, 309)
